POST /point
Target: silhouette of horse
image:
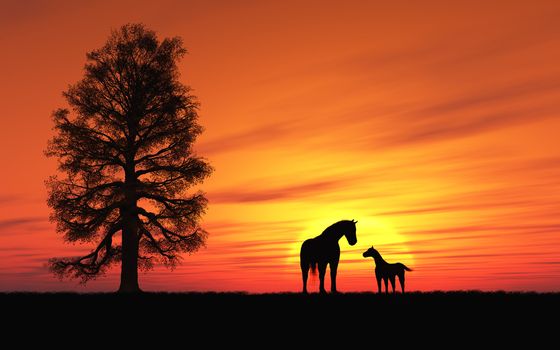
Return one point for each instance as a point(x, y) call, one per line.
point(323, 250)
point(386, 271)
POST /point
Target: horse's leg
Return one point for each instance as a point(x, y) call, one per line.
point(322, 270)
point(334, 267)
point(378, 284)
point(304, 275)
point(393, 283)
point(386, 280)
point(401, 280)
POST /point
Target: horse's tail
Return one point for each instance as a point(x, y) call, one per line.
point(406, 268)
point(313, 266)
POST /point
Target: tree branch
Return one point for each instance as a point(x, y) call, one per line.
point(155, 244)
point(88, 266)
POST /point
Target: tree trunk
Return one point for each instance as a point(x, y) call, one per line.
point(129, 263)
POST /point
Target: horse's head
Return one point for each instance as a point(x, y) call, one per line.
point(350, 232)
point(371, 252)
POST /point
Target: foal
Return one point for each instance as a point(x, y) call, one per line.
point(386, 271)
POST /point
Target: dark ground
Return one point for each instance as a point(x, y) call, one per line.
point(241, 317)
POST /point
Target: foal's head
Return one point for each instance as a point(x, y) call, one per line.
point(371, 252)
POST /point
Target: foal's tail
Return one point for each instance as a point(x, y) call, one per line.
point(313, 266)
point(404, 266)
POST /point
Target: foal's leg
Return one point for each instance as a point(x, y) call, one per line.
point(386, 280)
point(401, 280)
point(393, 283)
point(378, 284)
point(304, 275)
point(333, 265)
point(322, 270)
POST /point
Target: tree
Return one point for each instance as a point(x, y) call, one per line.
point(126, 148)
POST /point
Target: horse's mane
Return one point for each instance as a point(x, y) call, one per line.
point(333, 226)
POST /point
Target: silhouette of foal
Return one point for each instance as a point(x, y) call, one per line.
point(386, 271)
point(323, 250)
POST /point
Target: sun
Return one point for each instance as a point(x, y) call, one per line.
point(370, 230)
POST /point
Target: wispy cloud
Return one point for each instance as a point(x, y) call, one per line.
point(8, 199)
point(294, 191)
point(252, 137)
point(502, 95)
point(450, 208)
point(19, 222)
point(432, 121)
point(12, 227)
point(444, 127)
point(523, 228)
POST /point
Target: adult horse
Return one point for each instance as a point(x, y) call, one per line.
point(323, 250)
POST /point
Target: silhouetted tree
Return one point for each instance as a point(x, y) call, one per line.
point(126, 150)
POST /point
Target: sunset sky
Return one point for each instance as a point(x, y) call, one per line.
point(435, 124)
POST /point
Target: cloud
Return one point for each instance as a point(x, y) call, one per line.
point(505, 94)
point(25, 221)
point(242, 226)
point(463, 113)
point(24, 225)
point(308, 125)
point(253, 137)
point(303, 190)
point(476, 112)
point(486, 228)
point(450, 208)
point(418, 128)
point(8, 199)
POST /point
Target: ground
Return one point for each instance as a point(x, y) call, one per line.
point(242, 317)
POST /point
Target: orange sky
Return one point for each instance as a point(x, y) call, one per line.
point(436, 126)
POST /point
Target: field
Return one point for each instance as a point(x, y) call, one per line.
point(345, 310)
point(278, 321)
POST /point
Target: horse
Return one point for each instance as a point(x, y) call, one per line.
point(386, 271)
point(323, 250)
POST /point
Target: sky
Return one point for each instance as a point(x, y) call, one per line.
point(434, 124)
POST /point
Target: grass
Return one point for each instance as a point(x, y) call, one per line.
point(291, 311)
